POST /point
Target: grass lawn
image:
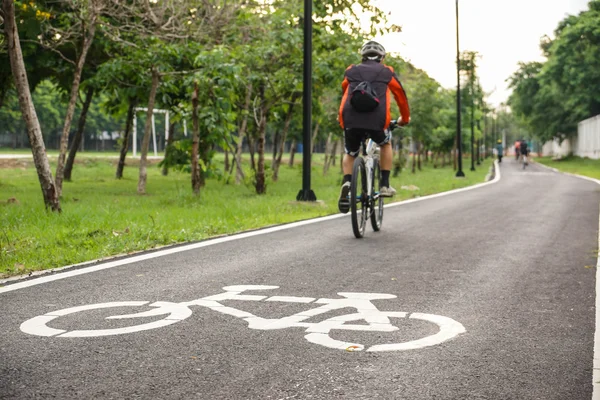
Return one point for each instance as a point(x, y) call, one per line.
point(103, 216)
point(574, 165)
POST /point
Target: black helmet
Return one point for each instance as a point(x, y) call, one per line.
point(372, 49)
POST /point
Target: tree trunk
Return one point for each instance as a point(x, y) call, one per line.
point(251, 143)
point(327, 160)
point(342, 152)
point(147, 133)
point(80, 128)
point(64, 139)
point(314, 137)
point(400, 159)
point(165, 168)
point(195, 143)
point(414, 159)
point(239, 176)
point(203, 155)
point(227, 162)
point(276, 139)
point(36, 140)
point(286, 128)
point(261, 187)
point(419, 151)
point(233, 163)
point(333, 155)
point(126, 136)
point(292, 153)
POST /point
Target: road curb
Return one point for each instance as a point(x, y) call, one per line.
point(587, 178)
point(492, 173)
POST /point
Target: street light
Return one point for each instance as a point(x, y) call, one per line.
point(472, 116)
point(306, 194)
point(460, 172)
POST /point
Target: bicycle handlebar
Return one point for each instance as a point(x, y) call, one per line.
point(394, 125)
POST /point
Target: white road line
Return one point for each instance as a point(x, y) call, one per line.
point(50, 276)
point(596, 374)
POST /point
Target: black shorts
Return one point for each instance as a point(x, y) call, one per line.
point(353, 138)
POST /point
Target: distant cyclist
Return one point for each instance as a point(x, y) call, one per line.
point(499, 150)
point(524, 151)
point(365, 112)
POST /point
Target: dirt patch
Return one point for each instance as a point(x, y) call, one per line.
point(15, 163)
point(25, 163)
point(135, 162)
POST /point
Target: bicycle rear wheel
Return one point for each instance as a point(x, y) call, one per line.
point(376, 202)
point(358, 198)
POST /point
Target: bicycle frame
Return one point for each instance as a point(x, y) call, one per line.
point(363, 193)
point(370, 149)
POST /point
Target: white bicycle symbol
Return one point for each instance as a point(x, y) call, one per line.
point(316, 332)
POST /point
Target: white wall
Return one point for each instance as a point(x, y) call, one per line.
point(587, 143)
point(557, 149)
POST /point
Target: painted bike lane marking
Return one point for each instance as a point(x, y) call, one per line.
point(316, 332)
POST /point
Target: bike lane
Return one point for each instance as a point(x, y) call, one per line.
point(521, 292)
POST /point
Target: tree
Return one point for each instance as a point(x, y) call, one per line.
point(49, 190)
point(76, 27)
point(552, 97)
point(216, 80)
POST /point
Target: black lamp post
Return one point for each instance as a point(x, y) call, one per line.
point(472, 124)
point(306, 194)
point(460, 172)
point(494, 134)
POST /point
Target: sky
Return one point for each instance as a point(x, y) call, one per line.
point(504, 32)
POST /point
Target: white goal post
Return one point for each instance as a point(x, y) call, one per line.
point(155, 111)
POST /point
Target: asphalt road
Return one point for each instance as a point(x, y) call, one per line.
point(500, 270)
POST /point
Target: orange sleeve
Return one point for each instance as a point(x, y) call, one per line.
point(400, 95)
point(345, 84)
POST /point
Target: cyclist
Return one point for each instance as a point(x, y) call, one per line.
point(499, 150)
point(524, 151)
point(371, 117)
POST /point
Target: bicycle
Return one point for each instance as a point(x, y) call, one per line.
point(524, 161)
point(316, 332)
point(365, 200)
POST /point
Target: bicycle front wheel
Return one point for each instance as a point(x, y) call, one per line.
point(359, 198)
point(376, 200)
point(172, 313)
